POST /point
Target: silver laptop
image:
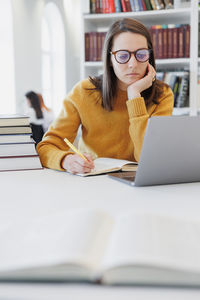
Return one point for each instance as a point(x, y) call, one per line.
point(170, 153)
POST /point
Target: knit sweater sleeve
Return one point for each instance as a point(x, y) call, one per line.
point(139, 115)
point(52, 149)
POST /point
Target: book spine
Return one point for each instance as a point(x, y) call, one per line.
point(91, 45)
point(156, 42)
point(105, 6)
point(123, 5)
point(98, 46)
point(175, 41)
point(176, 89)
point(170, 40)
point(111, 4)
point(172, 83)
point(187, 40)
point(102, 38)
point(143, 5)
point(160, 41)
point(101, 6)
point(98, 8)
point(92, 6)
point(87, 46)
point(183, 97)
point(95, 46)
point(132, 5)
point(181, 44)
point(165, 40)
point(153, 4)
point(137, 7)
point(128, 5)
point(140, 5)
point(148, 4)
point(118, 7)
point(153, 34)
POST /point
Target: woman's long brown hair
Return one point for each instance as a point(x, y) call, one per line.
point(106, 84)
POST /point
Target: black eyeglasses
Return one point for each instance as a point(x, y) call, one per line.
point(123, 56)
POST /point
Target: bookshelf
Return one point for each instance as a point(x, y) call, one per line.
point(181, 14)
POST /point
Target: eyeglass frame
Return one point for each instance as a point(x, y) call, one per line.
point(130, 53)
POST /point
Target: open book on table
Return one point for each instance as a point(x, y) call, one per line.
point(94, 246)
point(104, 165)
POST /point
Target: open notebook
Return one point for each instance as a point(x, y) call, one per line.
point(92, 245)
point(104, 165)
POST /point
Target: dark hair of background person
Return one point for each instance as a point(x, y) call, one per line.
point(106, 84)
point(35, 103)
point(42, 104)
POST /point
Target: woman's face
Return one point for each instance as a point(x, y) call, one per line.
point(133, 70)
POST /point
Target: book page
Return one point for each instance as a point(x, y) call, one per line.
point(77, 237)
point(151, 240)
point(105, 165)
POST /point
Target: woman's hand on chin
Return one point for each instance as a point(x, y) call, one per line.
point(134, 90)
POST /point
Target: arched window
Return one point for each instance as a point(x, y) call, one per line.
point(53, 58)
point(7, 78)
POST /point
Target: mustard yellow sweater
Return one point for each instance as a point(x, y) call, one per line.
point(117, 134)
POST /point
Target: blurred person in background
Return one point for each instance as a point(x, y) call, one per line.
point(35, 114)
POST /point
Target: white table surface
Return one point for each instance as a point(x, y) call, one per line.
point(29, 194)
point(92, 292)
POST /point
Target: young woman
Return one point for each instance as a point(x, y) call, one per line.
point(112, 109)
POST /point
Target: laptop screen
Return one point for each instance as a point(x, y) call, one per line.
point(170, 152)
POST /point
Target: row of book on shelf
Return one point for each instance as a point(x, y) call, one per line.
point(117, 6)
point(169, 41)
point(17, 148)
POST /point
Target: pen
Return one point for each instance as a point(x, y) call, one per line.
point(74, 149)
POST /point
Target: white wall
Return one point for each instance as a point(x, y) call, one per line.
point(26, 22)
point(27, 16)
point(73, 40)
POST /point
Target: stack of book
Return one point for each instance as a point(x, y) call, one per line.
point(17, 148)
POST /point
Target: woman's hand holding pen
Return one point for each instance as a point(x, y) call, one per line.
point(77, 163)
point(74, 163)
point(134, 90)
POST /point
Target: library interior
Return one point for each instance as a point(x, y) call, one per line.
point(100, 149)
